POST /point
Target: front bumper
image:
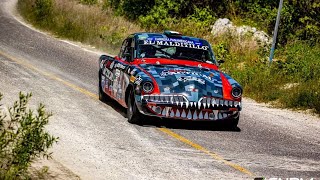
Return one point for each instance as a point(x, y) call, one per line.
point(178, 107)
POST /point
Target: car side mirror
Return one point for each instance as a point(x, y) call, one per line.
point(128, 54)
point(221, 61)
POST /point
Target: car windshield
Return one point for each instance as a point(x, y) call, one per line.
point(175, 49)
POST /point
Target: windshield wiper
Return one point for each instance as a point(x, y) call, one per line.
point(199, 60)
point(190, 58)
point(164, 56)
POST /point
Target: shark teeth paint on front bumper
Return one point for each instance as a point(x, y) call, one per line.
point(179, 107)
point(182, 101)
point(181, 113)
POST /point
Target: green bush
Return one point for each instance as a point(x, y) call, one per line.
point(88, 2)
point(132, 9)
point(22, 138)
point(161, 16)
point(304, 95)
point(302, 61)
point(299, 19)
point(43, 10)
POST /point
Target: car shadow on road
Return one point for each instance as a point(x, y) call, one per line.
point(116, 106)
point(174, 123)
point(187, 125)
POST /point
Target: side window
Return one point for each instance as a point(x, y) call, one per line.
point(122, 49)
point(129, 45)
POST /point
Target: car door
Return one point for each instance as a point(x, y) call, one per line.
point(120, 66)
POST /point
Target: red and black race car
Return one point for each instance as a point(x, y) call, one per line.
point(169, 76)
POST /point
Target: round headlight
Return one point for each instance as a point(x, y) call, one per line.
point(236, 92)
point(147, 87)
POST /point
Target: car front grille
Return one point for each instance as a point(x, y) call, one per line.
point(182, 101)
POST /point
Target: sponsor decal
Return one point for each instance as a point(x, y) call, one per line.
point(102, 83)
point(165, 73)
point(175, 43)
point(131, 71)
point(205, 76)
point(192, 89)
point(101, 63)
point(105, 84)
point(132, 79)
point(119, 66)
point(112, 65)
point(143, 36)
point(108, 74)
point(138, 80)
point(115, 85)
point(190, 78)
point(117, 74)
point(119, 94)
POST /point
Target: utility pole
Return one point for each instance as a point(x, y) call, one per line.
point(275, 33)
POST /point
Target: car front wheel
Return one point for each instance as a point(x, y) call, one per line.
point(133, 114)
point(231, 123)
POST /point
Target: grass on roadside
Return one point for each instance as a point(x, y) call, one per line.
point(94, 24)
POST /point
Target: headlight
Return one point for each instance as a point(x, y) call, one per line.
point(147, 87)
point(236, 92)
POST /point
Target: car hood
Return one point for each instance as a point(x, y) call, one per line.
point(192, 82)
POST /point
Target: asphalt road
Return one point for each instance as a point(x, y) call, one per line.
point(96, 142)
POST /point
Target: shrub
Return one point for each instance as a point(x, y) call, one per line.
point(22, 138)
point(161, 16)
point(302, 61)
point(304, 95)
point(89, 2)
point(132, 9)
point(43, 9)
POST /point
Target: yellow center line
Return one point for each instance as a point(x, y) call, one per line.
point(51, 76)
point(206, 151)
point(164, 130)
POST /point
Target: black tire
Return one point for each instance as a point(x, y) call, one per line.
point(232, 123)
point(102, 96)
point(133, 114)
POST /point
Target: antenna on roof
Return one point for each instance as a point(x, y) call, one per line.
point(172, 33)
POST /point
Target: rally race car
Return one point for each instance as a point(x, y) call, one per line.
point(169, 76)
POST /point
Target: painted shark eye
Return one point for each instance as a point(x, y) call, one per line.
point(236, 92)
point(147, 87)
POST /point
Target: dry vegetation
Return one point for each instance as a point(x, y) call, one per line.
point(95, 25)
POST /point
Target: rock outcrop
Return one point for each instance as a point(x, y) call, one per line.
point(222, 26)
